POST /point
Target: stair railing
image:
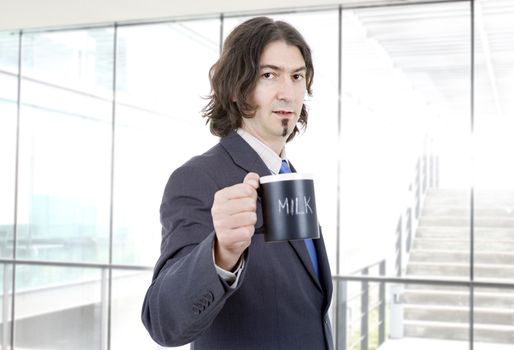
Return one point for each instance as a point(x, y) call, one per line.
point(426, 176)
point(361, 312)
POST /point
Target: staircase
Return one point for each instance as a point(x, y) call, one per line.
point(441, 250)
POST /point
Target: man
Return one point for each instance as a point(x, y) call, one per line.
point(217, 284)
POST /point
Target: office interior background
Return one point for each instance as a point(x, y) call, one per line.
point(409, 140)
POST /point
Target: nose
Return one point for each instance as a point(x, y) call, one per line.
point(285, 90)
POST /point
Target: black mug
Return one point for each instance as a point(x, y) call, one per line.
point(289, 207)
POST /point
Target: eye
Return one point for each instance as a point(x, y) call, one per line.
point(298, 76)
point(267, 75)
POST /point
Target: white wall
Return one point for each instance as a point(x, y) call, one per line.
point(25, 14)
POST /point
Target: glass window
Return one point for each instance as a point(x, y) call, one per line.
point(493, 143)
point(128, 292)
point(161, 85)
point(5, 305)
point(493, 315)
point(405, 148)
point(405, 139)
point(60, 307)
point(9, 52)
point(8, 114)
point(382, 316)
point(65, 143)
point(78, 60)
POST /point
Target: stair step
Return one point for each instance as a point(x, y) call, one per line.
point(440, 193)
point(455, 256)
point(489, 233)
point(456, 269)
point(465, 279)
point(432, 296)
point(463, 197)
point(459, 331)
point(506, 245)
point(459, 314)
point(464, 212)
point(441, 250)
point(449, 220)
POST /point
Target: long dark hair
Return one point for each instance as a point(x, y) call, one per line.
point(234, 76)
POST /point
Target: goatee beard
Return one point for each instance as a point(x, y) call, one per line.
point(285, 123)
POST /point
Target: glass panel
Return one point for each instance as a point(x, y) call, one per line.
point(128, 292)
point(494, 173)
point(493, 315)
point(8, 110)
point(397, 317)
point(5, 303)
point(158, 112)
point(9, 48)
point(65, 146)
point(60, 308)
point(79, 60)
point(405, 139)
point(321, 135)
point(493, 141)
point(494, 85)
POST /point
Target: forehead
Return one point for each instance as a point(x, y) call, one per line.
point(281, 54)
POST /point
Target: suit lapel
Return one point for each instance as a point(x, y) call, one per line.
point(243, 154)
point(303, 255)
point(324, 269)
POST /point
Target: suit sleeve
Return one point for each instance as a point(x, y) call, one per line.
point(186, 292)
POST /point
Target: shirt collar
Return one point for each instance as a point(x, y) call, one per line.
point(268, 156)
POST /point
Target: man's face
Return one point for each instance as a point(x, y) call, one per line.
point(278, 95)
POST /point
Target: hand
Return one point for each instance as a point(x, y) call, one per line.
point(234, 217)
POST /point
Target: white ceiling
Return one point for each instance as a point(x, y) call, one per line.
point(432, 44)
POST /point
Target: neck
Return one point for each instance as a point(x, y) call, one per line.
point(276, 146)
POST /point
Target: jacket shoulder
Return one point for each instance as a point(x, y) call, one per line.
point(216, 164)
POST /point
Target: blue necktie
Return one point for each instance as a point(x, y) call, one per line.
point(284, 168)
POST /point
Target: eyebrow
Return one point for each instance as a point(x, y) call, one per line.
point(272, 66)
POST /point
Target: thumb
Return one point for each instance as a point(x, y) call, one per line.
point(252, 179)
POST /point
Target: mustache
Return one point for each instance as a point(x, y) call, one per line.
point(282, 105)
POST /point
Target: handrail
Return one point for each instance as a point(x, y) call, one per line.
point(76, 264)
point(444, 282)
point(343, 299)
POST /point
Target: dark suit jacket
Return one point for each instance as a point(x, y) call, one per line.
point(279, 303)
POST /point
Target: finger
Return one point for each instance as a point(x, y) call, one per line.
point(252, 179)
point(239, 205)
point(237, 237)
point(241, 190)
point(243, 234)
point(231, 222)
point(240, 245)
point(245, 243)
point(241, 220)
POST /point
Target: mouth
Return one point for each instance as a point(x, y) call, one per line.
point(284, 113)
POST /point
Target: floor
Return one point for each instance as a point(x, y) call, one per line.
point(431, 344)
